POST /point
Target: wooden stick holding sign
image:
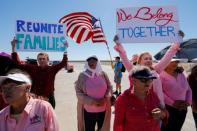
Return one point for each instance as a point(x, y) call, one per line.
point(107, 46)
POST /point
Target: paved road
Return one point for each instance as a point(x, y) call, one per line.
point(66, 99)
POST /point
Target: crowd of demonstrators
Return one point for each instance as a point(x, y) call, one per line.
point(43, 74)
point(146, 59)
point(192, 79)
point(138, 108)
point(117, 75)
point(157, 98)
point(24, 113)
point(93, 90)
point(177, 95)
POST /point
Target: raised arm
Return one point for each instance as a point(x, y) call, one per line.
point(159, 67)
point(162, 64)
point(15, 56)
point(64, 61)
point(122, 53)
point(62, 64)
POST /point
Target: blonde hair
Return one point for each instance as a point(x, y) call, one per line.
point(141, 55)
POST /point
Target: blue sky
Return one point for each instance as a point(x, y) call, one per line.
point(52, 10)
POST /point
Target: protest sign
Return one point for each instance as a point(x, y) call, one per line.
point(147, 24)
point(39, 36)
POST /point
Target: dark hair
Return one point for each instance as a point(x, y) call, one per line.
point(179, 69)
point(117, 57)
point(194, 70)
point(92, 58)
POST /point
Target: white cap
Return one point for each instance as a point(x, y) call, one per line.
point(179, 60)
point(16, 77)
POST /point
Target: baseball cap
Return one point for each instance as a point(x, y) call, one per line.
point(16, 77)
point(142, 72)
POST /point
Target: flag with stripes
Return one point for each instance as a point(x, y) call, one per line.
point(82, 26)
point(98, 35)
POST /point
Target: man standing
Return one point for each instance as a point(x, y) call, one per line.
point(117, 75)
point(43, 75)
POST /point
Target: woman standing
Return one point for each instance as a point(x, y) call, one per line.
point(177, 95)
point(138, 108)
point(93, 90)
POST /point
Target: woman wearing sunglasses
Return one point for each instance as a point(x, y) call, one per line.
point(138, 108)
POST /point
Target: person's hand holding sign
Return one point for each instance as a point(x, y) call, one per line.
point(118, 47)
point(181, 33)
point(176, 46)
point(13, 44)
point(66, 43)
point(66, 46)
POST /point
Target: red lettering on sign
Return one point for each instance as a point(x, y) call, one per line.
point(160, 17)
point(122, 16)
point(145, 13)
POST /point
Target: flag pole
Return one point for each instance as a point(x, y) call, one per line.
point(107, 46)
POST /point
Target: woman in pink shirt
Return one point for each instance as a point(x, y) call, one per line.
point(23, 112)
point(177, 95)
point(93, 90)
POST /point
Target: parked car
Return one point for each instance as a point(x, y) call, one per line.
point(56, 62)
point(31, 61)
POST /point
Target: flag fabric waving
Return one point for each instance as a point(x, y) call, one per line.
point(98, 35)
point(81, 26)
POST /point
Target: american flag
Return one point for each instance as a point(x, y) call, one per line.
point(81, 26)
point(98, 35)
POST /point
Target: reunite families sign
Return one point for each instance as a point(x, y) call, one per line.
point(147, 24)
point(39, 36)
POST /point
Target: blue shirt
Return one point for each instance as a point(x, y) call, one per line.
point(116, 67)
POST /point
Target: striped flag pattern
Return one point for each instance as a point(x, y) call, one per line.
point(81, 26)
point(98, 35)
